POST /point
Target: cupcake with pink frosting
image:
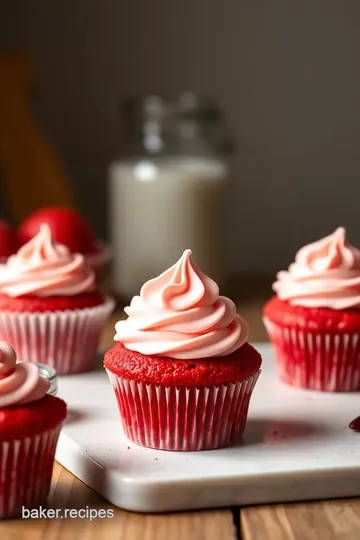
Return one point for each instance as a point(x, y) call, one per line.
point(314, 319)
point(30, 423)
point(182, 370)
point(50, 310)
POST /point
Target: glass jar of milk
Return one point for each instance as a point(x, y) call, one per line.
point(166, 190)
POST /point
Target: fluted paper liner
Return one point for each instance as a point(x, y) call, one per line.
point(66, 340)
point(183, 418)
point(316, 361)
point(25, 472)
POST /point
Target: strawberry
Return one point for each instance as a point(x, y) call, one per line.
point(67, 226)
point(9, 242)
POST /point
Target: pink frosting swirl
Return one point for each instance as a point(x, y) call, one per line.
point(44, 268)
point(21, 382)
point(180, 315)
point(324, 274)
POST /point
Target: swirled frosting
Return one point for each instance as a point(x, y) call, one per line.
point(180, 315)
point(21, 382)
point(43, 268)
point(325, 273)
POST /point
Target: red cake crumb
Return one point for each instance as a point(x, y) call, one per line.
point(316, 320)
point(355, 424)
point(36, 304)
point(171, 372)
point(32, 418)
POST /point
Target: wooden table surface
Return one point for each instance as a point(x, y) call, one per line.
point(328, 520)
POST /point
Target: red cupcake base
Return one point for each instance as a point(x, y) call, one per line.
point(28, 437)
point(26, 468)
point(183, 418)
point(160, 370)
point(38, 304)
point(327, 362)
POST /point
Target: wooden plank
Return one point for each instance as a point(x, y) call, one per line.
point(328, 520)
point(69, 492)
point(107, 338)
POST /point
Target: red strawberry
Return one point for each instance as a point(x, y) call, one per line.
point(9, 242)
point(67, 226)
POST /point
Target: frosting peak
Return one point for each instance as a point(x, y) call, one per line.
point(180, 314)
point(44, 268)
point(329, 253)
point(180, 287)
point(21, 382)
point(325, 273)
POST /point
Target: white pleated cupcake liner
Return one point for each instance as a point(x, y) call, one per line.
point(66, 340)
point(183, 418)
point(25, 472)
point(316, 361)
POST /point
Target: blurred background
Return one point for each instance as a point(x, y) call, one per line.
point(286, 75)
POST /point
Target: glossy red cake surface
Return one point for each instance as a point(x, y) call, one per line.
point(32, 418)
point(132, 365)
point(315, 320)
point(34, 304)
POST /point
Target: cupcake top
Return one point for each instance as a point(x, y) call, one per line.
point(44, 268)
point(325, 273)
point(181, 315)
point(20, 383)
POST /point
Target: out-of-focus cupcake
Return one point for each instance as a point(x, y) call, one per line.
point(183, 372)
point(50, 310)
point(30, 423)
point(100, 260)
point(71, 229)
point(314, 319)
point(9, 242)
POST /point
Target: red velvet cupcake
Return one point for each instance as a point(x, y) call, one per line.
point(30, 423)
point(50, 310)
point(314, 321)
point(183, 372)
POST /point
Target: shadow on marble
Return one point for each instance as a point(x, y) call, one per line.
point(279, 431)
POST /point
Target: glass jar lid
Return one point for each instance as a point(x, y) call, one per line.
point(157, 124)
point(49, 373)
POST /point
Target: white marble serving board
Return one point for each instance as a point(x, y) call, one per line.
point(297, 446)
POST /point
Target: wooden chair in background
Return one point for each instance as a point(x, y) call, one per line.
point(30, 172)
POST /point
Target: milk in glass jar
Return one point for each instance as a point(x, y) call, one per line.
point(166, 191)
